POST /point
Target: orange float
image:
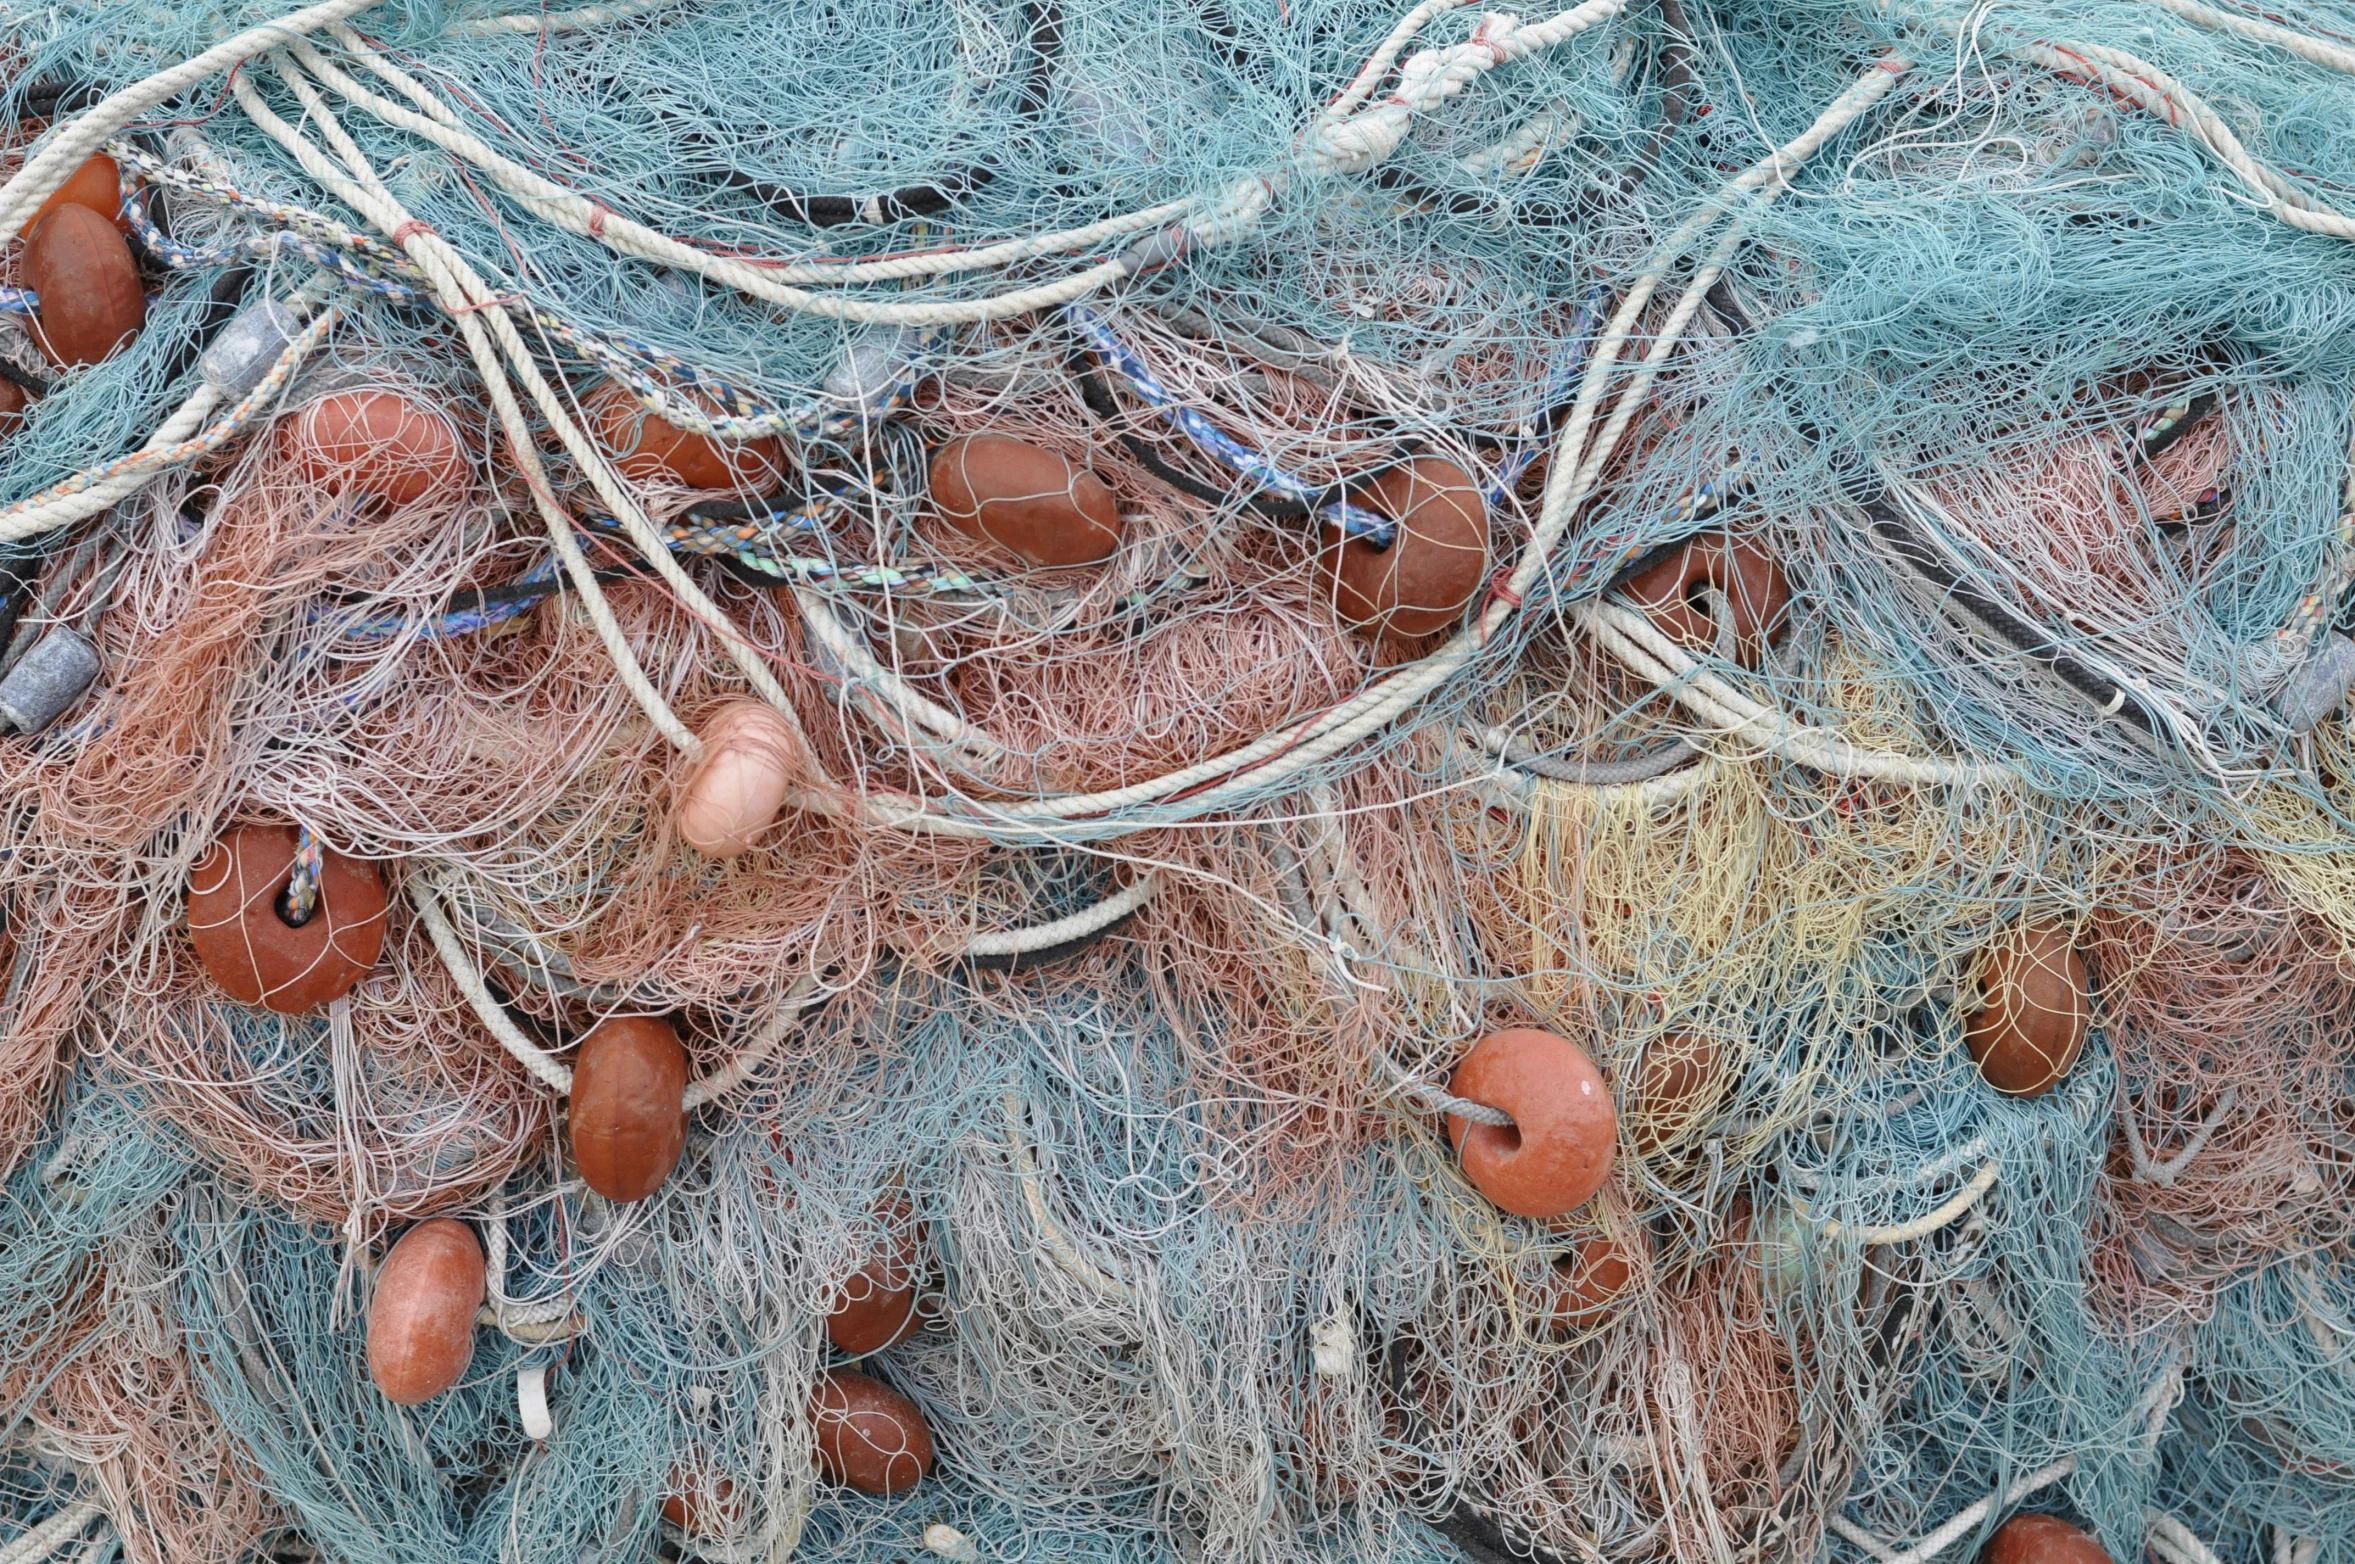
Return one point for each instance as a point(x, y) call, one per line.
point(1420, 584)
point(1679, 1084)
point(1028, 501)
point(375, 442)
point(703, 1505)
point(878, 1304)
point(2041, 1539)
point(237, 923)
point(1757, 595)
point(12, 404)
point(421, 1317)
point(91, 301)
point(2034, 1009)
point(1587, 1282)
point(870, 1437)
point(629, 1107)
point(750, 758)
point(97, 185)
point(1557, 1151)
point(648, 448)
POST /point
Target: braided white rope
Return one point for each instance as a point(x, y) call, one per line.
point(556, 21)
point(45, 1538)
point(578, 214)
point(1963, 1522)
point(71, 147)
point(542, 1065)
point(2304, 46)
point(1921, 1226)
point(1045, 936)
point(1650, 655)
point(2148, 87)
point(1368, 74)
point(1432, 76)
point(1058, 1243)
point(2174, 1542)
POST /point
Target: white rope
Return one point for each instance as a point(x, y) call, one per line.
point(1065, 1253)
point(1964, 1521)
point(45, 1538)
point(538, 1061)
point(1648, 653)
point(50, 168)
point(2175, 1542)
point(1920, 1227)
point(556, 21)
point(2164, 1174)
point(1044, 936)
point(805, 992)
point(2148, 87)
point(2304, 46)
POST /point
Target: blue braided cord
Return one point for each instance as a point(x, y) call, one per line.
point(465, 621)
point(18, 301)
point(1557, 390)
point(1354, 521)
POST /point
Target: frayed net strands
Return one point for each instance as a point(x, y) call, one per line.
point(1138, 780)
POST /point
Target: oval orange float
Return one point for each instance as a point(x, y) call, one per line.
point(421, 1317)
point(2034, 1009)
point(629, 1107)
point(1027, 500)
point(375, 442)
point(91, 302)
point(870, 1437)
point(649, 448)
point(1558, 1149)
point(1420, 584)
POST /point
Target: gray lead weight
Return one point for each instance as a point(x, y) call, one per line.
point(47, 680)
point(2319, 688)
point(247, 348)
point(873, 368)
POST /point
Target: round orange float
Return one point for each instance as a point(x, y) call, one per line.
point(870, 1437)
point(1587, 1282)
point(1557, 1151)
point(2041, 1539)
point(648, 448)
point(2034, 1009)
point(629, 1107)
point(421, 1317)
point(1031, 502)
point(375, 442)
point(91, 301)
point(239, 925)
point(1420, 584)
point(1758, 598)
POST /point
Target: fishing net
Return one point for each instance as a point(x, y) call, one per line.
point(779, 777)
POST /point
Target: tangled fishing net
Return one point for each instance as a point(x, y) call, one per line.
point(1177, 780)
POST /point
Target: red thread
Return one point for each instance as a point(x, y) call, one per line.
point(598, 212)
point(411, 228)
point(1500, 587)
point(488, 304)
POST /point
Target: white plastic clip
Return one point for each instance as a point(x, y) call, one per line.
point(531, 1399)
